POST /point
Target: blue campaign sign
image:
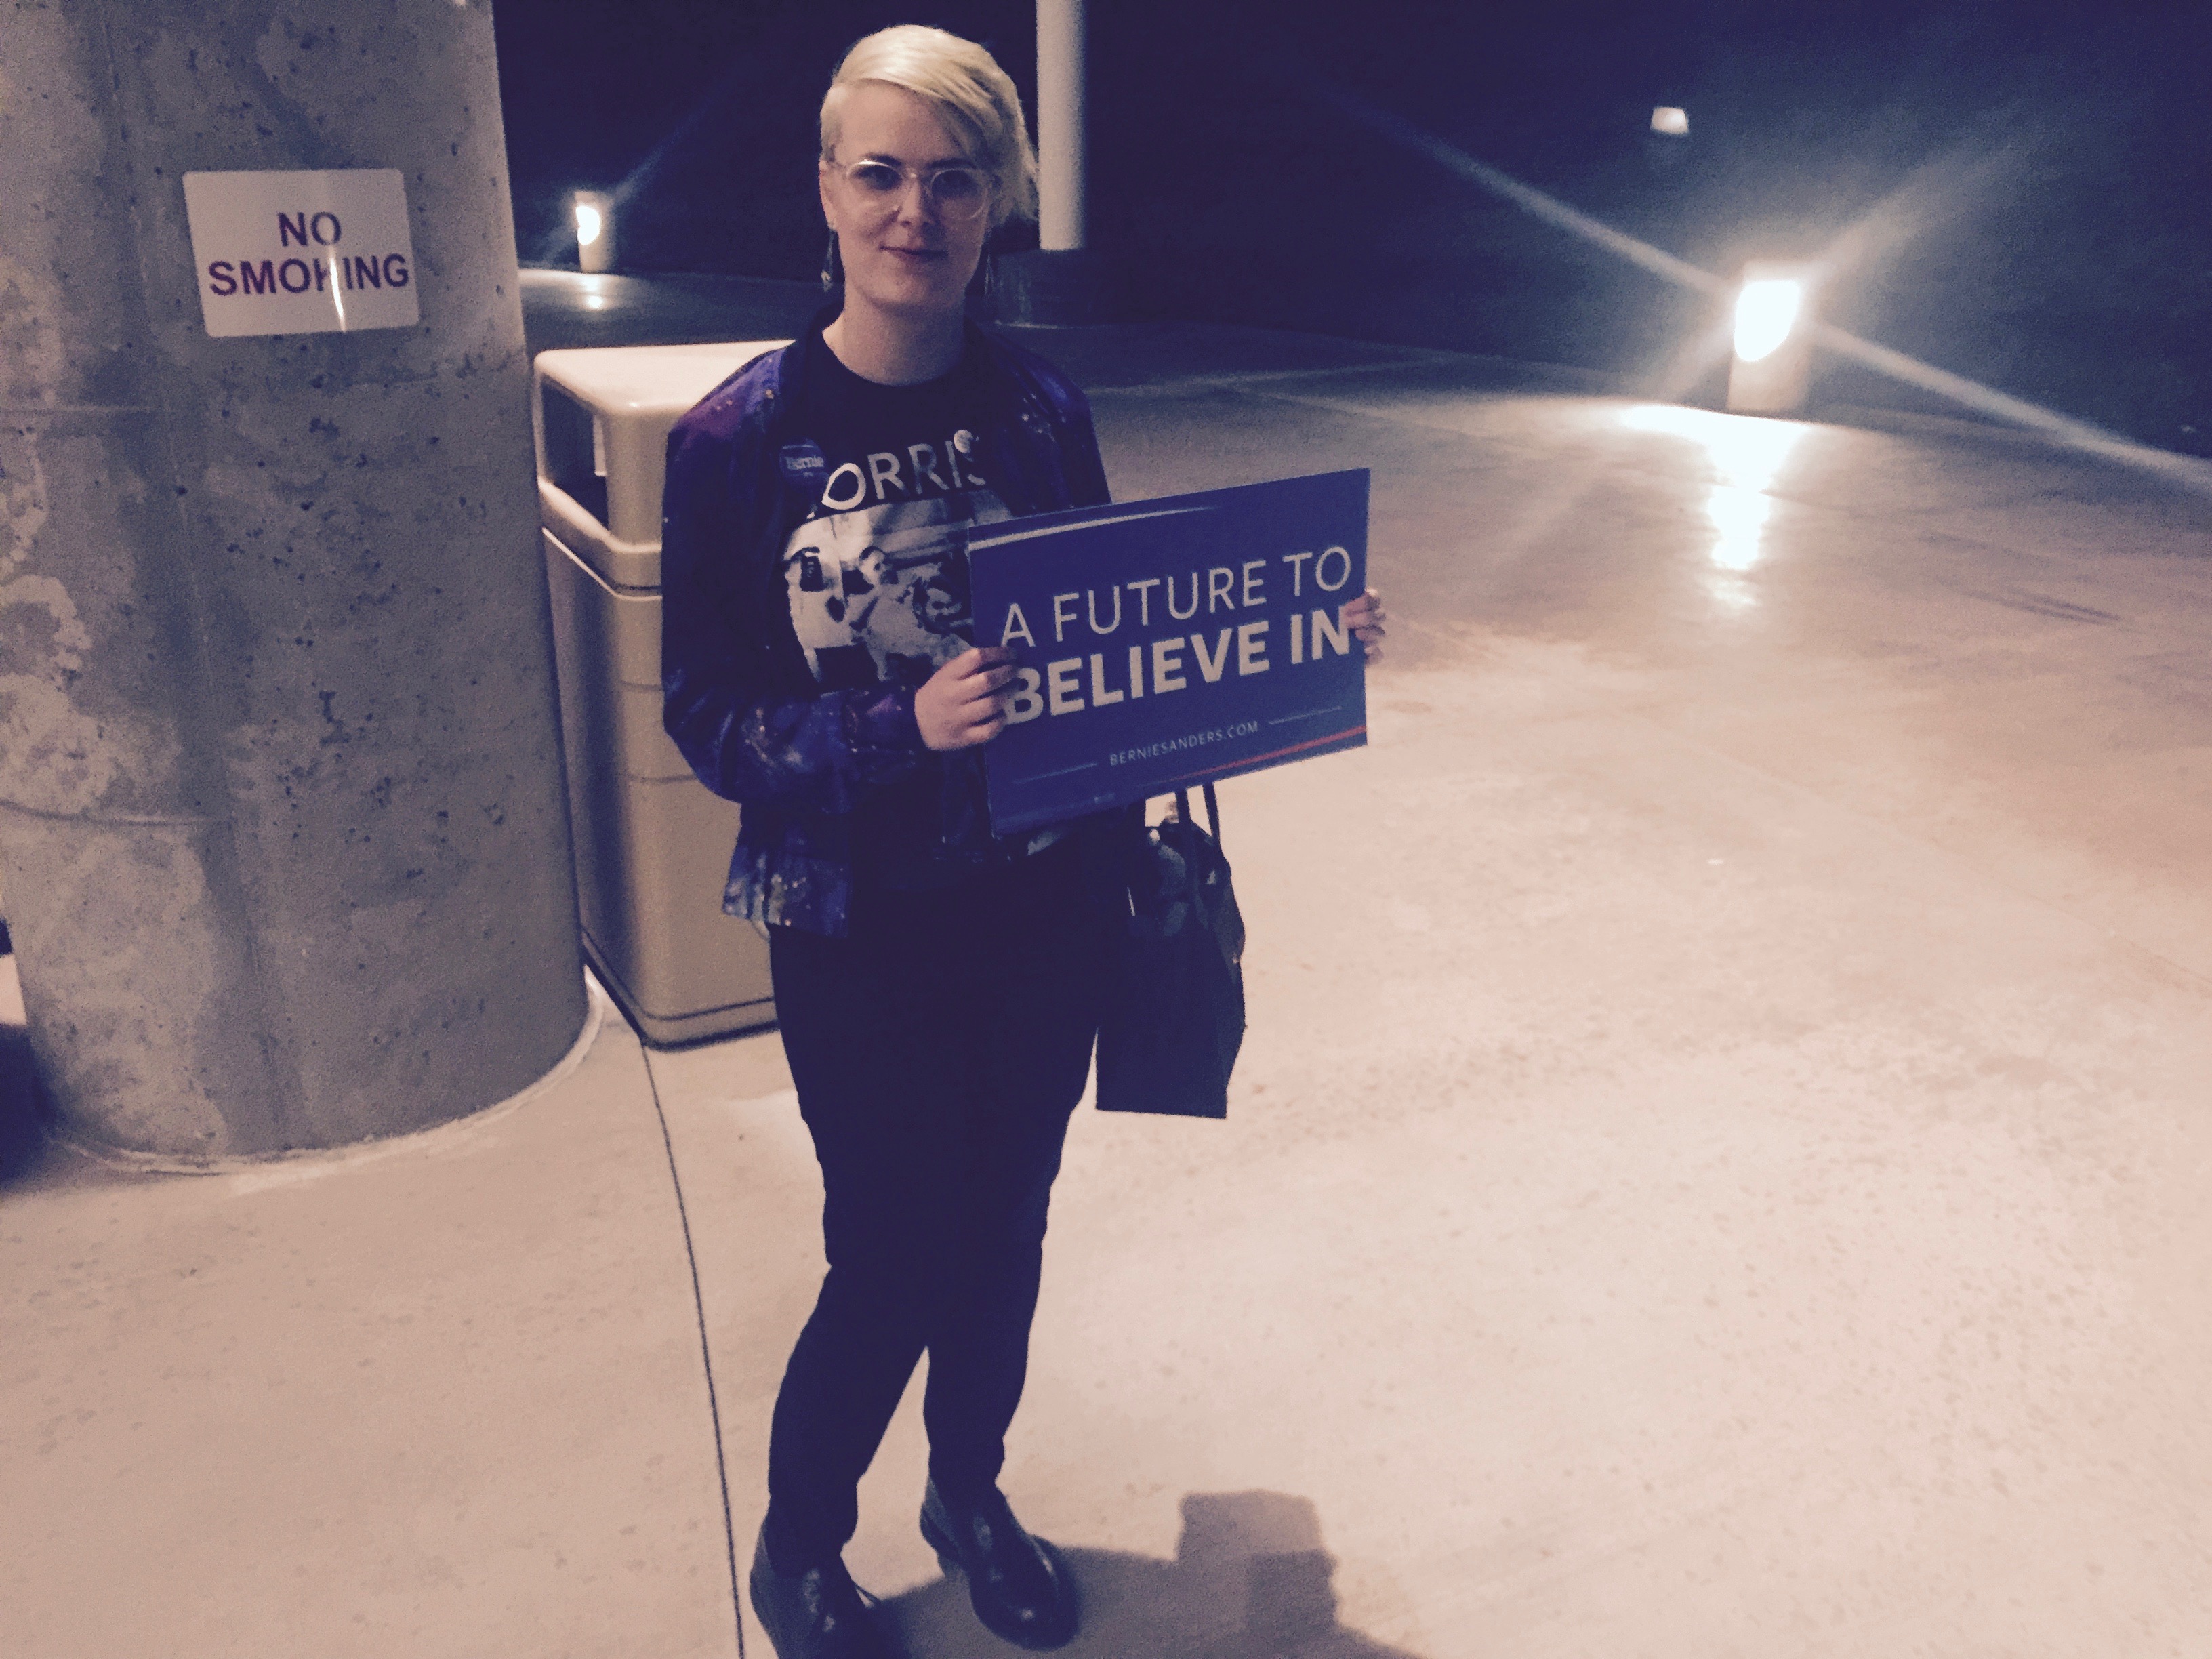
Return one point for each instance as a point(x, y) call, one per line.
point(1171, 642)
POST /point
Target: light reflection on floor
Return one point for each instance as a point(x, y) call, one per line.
point(1748, 454)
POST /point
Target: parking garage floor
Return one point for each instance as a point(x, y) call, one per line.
point(1719, 1165)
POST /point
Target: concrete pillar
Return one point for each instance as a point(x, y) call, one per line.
point(1059, 125)
point(281, 810)
point(1770, 372)
point(592, 213)
point(1062, 282)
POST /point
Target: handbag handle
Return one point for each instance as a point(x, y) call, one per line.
point(1212, 809)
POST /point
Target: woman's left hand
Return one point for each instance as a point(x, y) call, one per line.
point(1364, 614)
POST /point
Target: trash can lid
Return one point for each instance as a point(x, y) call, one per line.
point(602, 416)
point(651, 380)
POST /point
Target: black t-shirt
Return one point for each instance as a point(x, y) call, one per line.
point(876, 577)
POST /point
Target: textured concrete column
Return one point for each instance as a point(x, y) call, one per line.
point(1061, 281)
point(1060, 169)
point(280, 796)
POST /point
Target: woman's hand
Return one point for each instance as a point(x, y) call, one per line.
point(1364, 614)
point(963, 703)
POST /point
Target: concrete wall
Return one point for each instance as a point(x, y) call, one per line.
point(280, 799)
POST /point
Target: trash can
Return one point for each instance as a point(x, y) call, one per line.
point(652, 843)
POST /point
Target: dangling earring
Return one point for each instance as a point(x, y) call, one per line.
point(833, 266)
point(983, 286)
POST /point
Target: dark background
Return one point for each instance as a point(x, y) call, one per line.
point(2021, 194)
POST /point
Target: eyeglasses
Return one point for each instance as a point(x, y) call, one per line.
point(956, 193)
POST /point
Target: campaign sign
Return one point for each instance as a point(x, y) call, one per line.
point(1171, 642)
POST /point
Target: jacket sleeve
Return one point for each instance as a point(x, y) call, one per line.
point(724, 701)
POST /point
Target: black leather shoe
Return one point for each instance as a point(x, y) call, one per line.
point(816, 1614)
point(1018, 1585)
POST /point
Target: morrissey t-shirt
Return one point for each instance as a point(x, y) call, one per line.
point(876, 577)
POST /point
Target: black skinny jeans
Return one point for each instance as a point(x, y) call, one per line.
point(938, 1050)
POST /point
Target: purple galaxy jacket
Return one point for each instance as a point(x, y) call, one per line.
point(738, 698)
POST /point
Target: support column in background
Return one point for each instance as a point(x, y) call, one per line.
point(1059, 125)
point(1063, 281)
point(281, 802)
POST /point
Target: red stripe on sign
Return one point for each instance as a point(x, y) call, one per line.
point(1246, 760)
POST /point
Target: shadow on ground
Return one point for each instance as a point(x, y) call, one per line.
point(1250, 1580)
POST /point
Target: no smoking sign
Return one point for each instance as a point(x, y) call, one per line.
point(302, 252)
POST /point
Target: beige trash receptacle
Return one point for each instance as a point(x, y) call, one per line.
point(652, 843)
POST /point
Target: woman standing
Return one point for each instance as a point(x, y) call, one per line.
point(936, 987)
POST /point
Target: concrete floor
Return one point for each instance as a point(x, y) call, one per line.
point(1718, 1166)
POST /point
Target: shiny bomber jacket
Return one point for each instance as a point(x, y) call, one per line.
point(738, 699)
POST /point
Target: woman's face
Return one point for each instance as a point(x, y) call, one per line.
point(900, 256)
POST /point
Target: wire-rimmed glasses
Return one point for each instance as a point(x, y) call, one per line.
point(956, 192)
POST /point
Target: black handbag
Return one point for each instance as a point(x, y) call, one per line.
point(1174, 1014)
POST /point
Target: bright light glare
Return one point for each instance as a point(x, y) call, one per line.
point(2186, 470)
point(589, 224)
point(1674, 123)
point(1766, 312)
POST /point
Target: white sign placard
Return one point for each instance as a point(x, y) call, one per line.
point(302, 252)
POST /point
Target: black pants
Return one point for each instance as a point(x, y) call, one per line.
point(938, 1050)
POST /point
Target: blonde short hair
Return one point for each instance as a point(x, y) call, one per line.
point(966, 87)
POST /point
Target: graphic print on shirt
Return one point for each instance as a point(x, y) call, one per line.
point(877, 578)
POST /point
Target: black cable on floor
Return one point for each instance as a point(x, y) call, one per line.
point(705, 1352)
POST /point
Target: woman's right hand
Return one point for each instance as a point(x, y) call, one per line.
point(963, 703)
